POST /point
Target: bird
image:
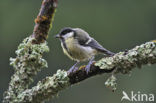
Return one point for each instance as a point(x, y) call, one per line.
point(79, 46)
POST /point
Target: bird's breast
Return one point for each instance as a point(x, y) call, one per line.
point(77, 52)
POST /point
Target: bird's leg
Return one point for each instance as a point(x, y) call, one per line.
point(73, 67)
point(87, 68)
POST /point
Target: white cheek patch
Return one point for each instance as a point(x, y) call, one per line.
point(68, 35)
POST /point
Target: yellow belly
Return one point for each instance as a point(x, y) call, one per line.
point(77, 52)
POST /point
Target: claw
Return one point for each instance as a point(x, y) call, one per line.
point(87, 68)
point(73, 68)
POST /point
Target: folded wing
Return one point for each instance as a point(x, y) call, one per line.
point(95, 45)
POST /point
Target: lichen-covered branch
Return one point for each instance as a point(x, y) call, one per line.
point(122, 62)
point(26, 65)
point(45, 89)
point(29, 53)
point(29, 61)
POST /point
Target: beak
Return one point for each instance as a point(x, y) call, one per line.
point(57, 36)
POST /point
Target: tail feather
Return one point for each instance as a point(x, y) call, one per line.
point(107, 52)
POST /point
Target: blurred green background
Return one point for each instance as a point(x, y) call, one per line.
point(116, 24)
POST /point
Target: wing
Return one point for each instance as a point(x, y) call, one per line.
point(95, 45)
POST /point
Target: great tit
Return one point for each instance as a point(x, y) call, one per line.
point(79, 46)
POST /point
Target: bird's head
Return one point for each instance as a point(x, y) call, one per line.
point(66, 33)
point(76, 33)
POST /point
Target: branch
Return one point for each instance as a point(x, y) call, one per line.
point(123, 62)
point(29, 59)
point(29, 62)
point(44, 20)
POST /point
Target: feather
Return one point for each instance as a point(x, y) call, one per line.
point(95, 45)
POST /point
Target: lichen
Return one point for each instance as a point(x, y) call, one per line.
point(27, 63)
point(105, 63)
point(29, 54)
point(47, 88)
point(125, 61)
point(122, 62)
point(111, 83)
point(154, 41)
